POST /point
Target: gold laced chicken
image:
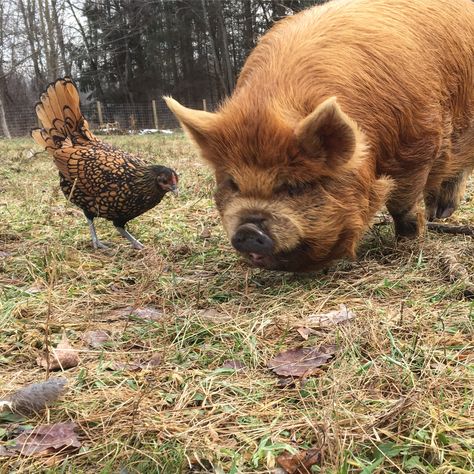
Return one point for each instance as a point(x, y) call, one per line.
point(97, 177)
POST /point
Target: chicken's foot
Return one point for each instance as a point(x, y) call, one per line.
point(124, 233)
point(96, 243)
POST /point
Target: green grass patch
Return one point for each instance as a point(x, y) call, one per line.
point(397, 398)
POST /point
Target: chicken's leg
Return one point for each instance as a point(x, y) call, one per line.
point(124, 233)
point(96, 243)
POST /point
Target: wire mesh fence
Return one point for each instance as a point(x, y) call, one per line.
point(150, 117)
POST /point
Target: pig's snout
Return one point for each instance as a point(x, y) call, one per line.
point(250, 239)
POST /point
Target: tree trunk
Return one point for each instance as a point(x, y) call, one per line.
point(248, 40)
point(212, 43)
point(60, 36)
point(92, 60)
point(3, 118)
point(28, 20)
point(224, 47)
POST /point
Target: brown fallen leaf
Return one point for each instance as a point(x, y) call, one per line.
point(331, 318)
point(63, 357)
point(45, 439)
point(212, 315)
point(233, 364)
point(34, 398)
point(150, 313)
point(455, 272)
point(95, 339)
point(155, 361)
point(301, 362)
point(305, 332)
point(299, 463)
point(205, 234)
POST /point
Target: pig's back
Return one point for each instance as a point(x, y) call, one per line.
point(391, 64)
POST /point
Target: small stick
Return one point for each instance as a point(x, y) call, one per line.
point(435, 227)
point(455, 272)
point(451, 229)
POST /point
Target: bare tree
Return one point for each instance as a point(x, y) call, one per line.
point(3, 118)
point(28, 13)
point(60, 36)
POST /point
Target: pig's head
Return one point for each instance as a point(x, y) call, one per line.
point(293, 193)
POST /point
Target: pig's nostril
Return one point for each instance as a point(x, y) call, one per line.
point(250, 239)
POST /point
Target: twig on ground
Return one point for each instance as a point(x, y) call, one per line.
point(456, 272)
point(451, 229)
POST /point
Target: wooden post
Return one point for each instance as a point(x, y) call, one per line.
point(155, 114)
point(204, 104)
point(99, 113)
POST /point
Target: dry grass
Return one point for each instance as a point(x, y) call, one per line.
point(398, 397)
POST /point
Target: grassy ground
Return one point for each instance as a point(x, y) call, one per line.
point(397, 398)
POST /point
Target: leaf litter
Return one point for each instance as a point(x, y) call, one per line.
point(325, 320)
point(303, 361)
point(233, 364)
point(150, 313)
point(44, 440)
point(299, 463)
point(96, 339)
point(63, 357)
point(154, 362)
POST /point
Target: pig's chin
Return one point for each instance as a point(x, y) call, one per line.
point(299, 259)
point(296, 260)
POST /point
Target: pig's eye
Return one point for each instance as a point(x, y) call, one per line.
point(232, 185)
point(293, 189)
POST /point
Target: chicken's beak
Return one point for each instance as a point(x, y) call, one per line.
point(174, 189)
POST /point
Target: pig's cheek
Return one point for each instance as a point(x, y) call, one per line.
point(221, 198)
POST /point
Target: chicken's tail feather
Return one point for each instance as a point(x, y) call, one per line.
point(61, 118)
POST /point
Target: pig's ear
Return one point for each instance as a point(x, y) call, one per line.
point(328, 134)
point(197, 123)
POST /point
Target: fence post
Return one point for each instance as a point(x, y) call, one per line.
point(155, 114)
point(99, 113)
point(204, 104)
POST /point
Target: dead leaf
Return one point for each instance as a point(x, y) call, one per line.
point(325, 320)
point(305, 332)
point(233, 364)
point(45, 439)
point(205, 234)
point(33, 290)
point(95, 339)
point(211, 314)
point(180, 249)
point(299, 463)
point(150, 313)
point(5, 453)
point(63, 357)
point(34, 398)
point(301, 362)
point(154, 362)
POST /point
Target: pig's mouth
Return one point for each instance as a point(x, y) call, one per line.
point(296, 260)
point(258, 248)
point(300, 259)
